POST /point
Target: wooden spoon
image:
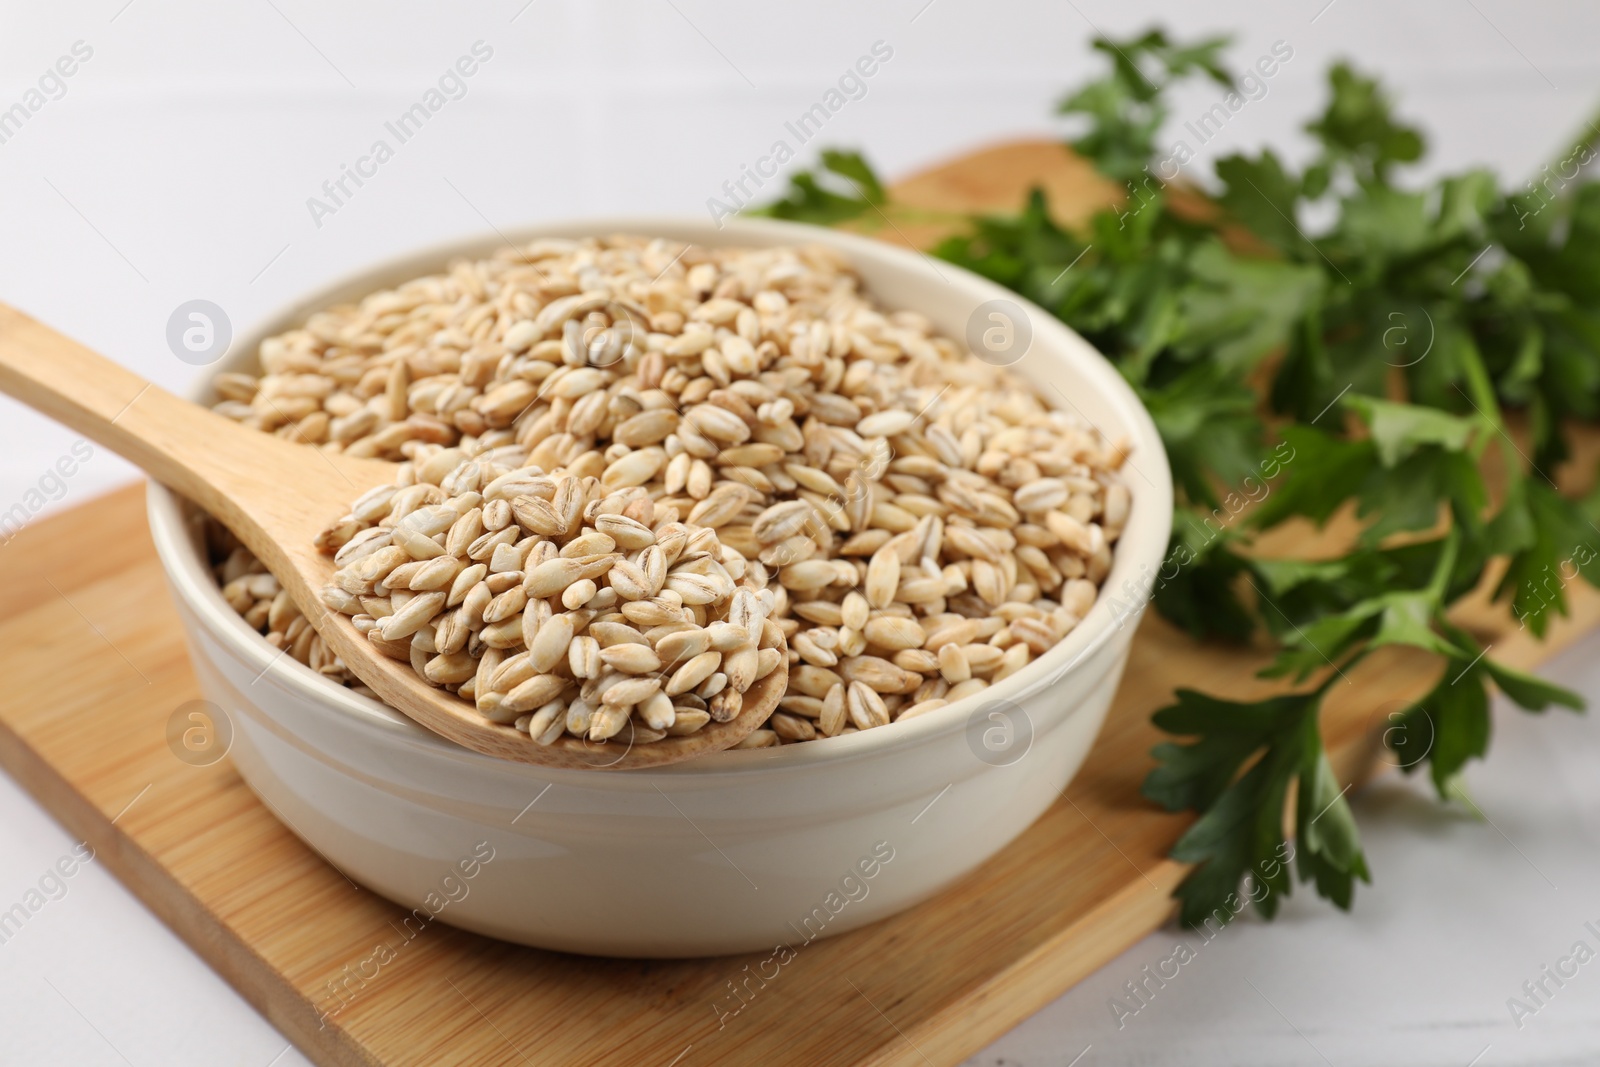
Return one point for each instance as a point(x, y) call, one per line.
point(276, 496)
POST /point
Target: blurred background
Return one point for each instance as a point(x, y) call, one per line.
point(177, 161)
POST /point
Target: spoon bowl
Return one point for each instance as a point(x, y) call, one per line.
point(276, 496)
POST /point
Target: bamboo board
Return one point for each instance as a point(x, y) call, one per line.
point(94, 666)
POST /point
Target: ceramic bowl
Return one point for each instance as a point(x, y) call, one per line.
point(733, 852)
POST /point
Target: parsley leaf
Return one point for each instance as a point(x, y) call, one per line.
point(1557, 544)
point(1125, 110)
point(845, 188)
point(1328, 341)
point(1358, 130)
point(1240, 832)
point(1263, 197)
point(1450, 725)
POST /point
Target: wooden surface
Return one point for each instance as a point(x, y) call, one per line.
point(993, 180)
point(94, 667)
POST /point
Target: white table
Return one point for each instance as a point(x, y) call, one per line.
point(177, 165)
point(1460, 915)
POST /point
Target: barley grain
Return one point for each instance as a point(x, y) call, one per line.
point(931, 520)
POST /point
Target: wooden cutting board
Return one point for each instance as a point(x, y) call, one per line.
point(94, 667)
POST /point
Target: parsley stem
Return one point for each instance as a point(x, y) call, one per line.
point(1482, 395)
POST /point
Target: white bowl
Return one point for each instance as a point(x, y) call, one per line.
point(733, 852)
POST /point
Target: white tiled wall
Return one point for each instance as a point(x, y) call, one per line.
point(180, 159)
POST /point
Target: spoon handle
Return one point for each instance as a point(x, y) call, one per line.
point(234, 472)
point(276, 495)
point(182, 445)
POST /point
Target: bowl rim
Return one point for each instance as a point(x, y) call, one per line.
point(1135, 561)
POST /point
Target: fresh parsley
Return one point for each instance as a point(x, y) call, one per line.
point(1363, 366)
